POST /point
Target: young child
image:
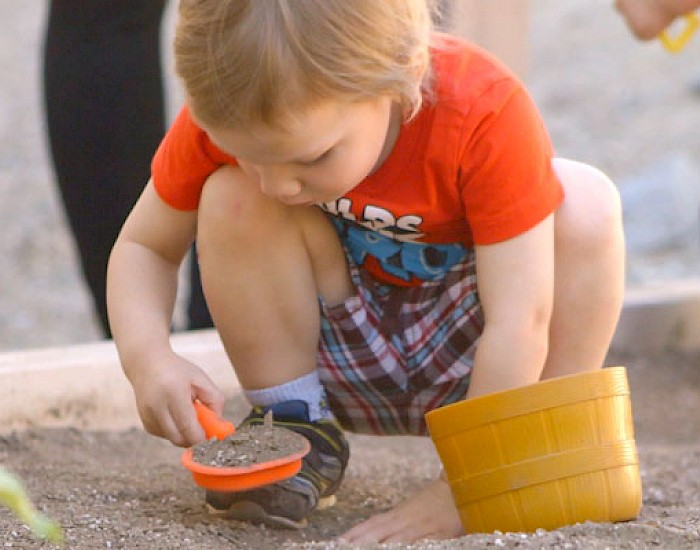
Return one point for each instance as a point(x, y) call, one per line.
point(382, 230)
point(648, 18)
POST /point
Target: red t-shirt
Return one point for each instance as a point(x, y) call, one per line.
point(472, 167)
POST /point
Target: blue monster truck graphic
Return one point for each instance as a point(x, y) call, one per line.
point(404, 260)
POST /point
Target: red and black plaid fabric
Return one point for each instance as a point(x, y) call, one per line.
point(390, 354)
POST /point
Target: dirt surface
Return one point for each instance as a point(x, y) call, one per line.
point(128, 490)
point(248, 446)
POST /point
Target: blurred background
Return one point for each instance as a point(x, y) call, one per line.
point(630, 108)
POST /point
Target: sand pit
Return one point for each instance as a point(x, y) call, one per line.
point(124, 489)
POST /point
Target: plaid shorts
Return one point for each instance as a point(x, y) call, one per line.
point(390, 354)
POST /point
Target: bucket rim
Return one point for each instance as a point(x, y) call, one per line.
point(544, 395)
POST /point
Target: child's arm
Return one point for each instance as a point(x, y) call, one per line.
point(515, 279)
point(648, 18)
point(141, 289)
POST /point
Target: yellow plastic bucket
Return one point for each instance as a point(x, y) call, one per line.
point(554, 453)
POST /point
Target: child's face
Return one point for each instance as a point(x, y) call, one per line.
point(324, 153)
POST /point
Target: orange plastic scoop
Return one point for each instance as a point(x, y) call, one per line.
point(239, 478)
point(213, 424)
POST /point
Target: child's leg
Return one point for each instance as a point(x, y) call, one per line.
point(589, 267)
point(263, 265)
point(589, 271)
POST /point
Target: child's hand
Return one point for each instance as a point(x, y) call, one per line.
point(165, 392)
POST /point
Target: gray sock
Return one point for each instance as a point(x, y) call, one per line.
point(307, 388)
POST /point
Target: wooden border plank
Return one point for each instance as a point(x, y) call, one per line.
point(84, 386)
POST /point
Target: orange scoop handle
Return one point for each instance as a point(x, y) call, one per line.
point(212, 423)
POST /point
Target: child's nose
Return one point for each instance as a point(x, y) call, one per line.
point(278, 183)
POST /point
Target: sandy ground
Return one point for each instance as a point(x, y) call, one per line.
point(607, 99)
point(127, 490)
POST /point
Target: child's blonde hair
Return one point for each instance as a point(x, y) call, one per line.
point(259, 61)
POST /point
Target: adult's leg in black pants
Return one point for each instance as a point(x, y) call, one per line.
point(197, 311)
point(105, 112)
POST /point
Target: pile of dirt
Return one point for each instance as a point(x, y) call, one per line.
point(251, 445)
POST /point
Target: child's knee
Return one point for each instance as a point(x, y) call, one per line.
point(227, 197)
point(591, 215)
point(232, 207)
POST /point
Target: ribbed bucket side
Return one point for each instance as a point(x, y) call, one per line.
point(554, 465)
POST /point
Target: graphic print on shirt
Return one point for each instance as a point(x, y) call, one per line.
point(392, 241)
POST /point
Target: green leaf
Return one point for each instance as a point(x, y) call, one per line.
point(13, 495)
